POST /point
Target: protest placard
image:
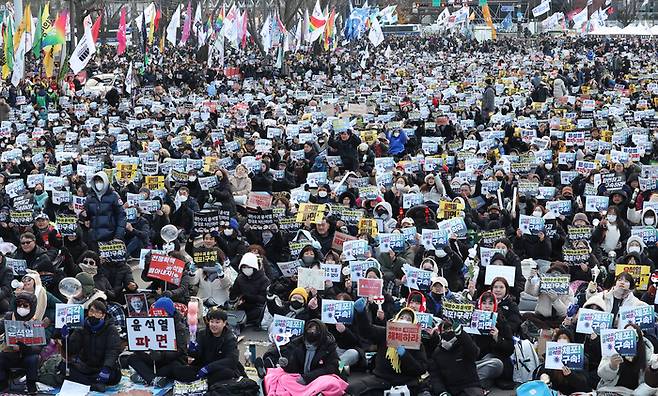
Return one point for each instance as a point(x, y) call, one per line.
point(593, 321)
point(367, 226)
point(261, 220)
point(640, 274)
point(337, 311)
point(483, 321)
point(558, 355)
point(71, 315)
point(647, 233)
point(615, 341)
point(205, 257)
point(151, 333)
point(455, 226)
point(196, 388)
point(339, 240)
point(289, 268)
point(369, 287)
point(486, 254)
point(285, 325)
point(18, 266)
point(113, 251)
point(21, 218)
point(257, 200)
point(356, 249)
point(555, 283)
point(494, 271)
point(643, 316)
point(206, 220)
point(403, 334)
point(358, 268)
point(166, 268)
point(310, 278)
point(67, 225)
point(531, 225)
point(458, 312)
point(332, 272)
point(434, 239)
point(28, 333)
point(488, 238)
point(312, 213)
point(579, 233)
point(576, 256)
point(417, 279)
point(426, 320)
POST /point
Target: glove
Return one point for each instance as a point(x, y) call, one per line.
point(458, 330)
point(401, 350)
point(64, 331)
point(653, 362)
point(360, 305)
point(103, 376)
point(301, 380)
point(203, 373)
point(192, 346)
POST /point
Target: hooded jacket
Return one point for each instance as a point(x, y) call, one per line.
point(454, 370)
point(545, 307)
point(325, 360)
point(13, 315)
point(387, 222)
point(104, 209)
point(96, 349)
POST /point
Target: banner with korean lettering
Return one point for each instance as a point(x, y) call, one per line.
point(642, 316)
point(417, 279)
point(403, 334)
point(593, 321)
point(369, 287)
point(640, 274)
point(622, 342)
point(31, 332)
point(337, 311)
point(71, 315)
point(483, 321)
point(457, 312)
point(288, 326)
point(166, 268)
point(558, 355)
point(558, 284)
point(153, 333)
point(434, 239)
point(113, 251)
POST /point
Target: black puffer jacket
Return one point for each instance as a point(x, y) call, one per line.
point(252, 289)
point(454, 370)
point(104, 209)
point(118, 275)
point(218, 352)
point(37, 259)
point(325, 360)
point(96, 349)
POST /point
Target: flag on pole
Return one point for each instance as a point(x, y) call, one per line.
point(85, 49)
point(49, 60)
point(443, 18)
point(187, 26)
point(174, 24)
point(129, 79)
point(96, 28)
point(24, 27)
point(266, 33)
point(487, 18)
point(8, 40)
point(366, 55)
point(38, 34)
point(121, 32)
point(330, 31)
point(580, 18)
point(542, 8)
point(375, 35)
point(316, 23)
point(19, 62)
point(56, 35)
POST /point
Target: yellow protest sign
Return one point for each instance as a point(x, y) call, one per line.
point(640, 274)
point(448, 210)
point(154, 182)
point(126, 171)
point(312, 213)
point(209, 164)
point(368, 226)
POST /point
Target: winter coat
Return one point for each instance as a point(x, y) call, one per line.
point(605, 300)
point(37, 259)
point(240, 185)
point(488, 99)
point(118, 275)
point(104, 209)
point(218, 353)
point(324, 362)
point(610, 377)
point(252, 290)
point(141, 230)
point(182, 339)
point(559, 88)
point(387, 222)
point(96, 349)
point(454, 370)
point(545, 307)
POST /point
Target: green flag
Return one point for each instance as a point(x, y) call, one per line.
point(38, 36)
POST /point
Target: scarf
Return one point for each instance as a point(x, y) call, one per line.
point(394, 358)
point(310, 354)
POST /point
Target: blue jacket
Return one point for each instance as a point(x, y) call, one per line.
point(104, 209)
point(397, 143)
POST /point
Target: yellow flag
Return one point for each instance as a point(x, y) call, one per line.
point(49, 60)
point(5, 71)
point(162, 44)
point(24, 27)
point(487, 18)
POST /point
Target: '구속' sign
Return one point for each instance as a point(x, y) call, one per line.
point(337, 311)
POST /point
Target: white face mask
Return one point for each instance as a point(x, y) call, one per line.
point(504, 252)
point(634, 249)
point(399, 186)
point(22, 311)
point(441, 253)
point(182, 198)
point(228, 231)
point(248, 271)
point(549, 166)
point(403, 321)
point(536, 213)
point(649, 221)
point(322, 194)
point(99, 185)
point(192, 178)
point(612, 218)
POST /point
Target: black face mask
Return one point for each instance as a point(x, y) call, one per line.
point(312, 337)
point(296, 304)
point(94, 321)
point(494, 216)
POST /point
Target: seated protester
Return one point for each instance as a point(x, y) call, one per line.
point(621, 295)
point(88, 293)
point(379, 314)
point(309, 365)
point(635, 253)
point(93, 350)
point(438, 291)
point(452, 366)
point(88, 263)
point(383, 214)
point(583, 271)
point(167, 364)
point(46, 302)
point(450, 264)
point(214, 280)
point(178, 293)
point(636, 375)
point(22, 356)
point(138, 231)
point(35, 256)
point(250, 288)
point(6, 290)
point(533, 246)
point(348, 344)
point(611, 233)
point(551, 307)
point(215, 351)
point(495, 348)
point(74, 248)
point(120, 278)
point(299, 306)
point(650, 219)
point(592, 346)
point(499, 259)
point(48, 236)
point(512, 260)
point(506, 305)
point(393, 366)
point(391, 264)
point(565, 381)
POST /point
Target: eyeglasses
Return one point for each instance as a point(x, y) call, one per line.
point(26, 242)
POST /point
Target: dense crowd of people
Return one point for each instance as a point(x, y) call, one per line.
point(493, 171)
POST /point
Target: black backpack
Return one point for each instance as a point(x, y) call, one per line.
point(236, 387)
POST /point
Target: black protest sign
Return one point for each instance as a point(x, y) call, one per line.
point(113, 251)
point(206, 221)
point(260, 221)
point(67, 225)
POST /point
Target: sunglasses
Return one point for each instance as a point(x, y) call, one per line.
point(26, 242)
point(89, 261)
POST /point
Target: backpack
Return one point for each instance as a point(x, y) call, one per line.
point(524, 361)
point(242, 386)
point(534, 388)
